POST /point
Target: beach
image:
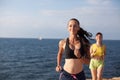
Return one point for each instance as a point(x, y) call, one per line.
point(114, 78)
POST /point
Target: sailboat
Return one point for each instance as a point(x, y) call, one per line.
point(40, 38)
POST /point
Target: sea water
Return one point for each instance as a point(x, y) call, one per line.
point(34, 59)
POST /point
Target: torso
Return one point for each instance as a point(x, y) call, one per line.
point(99, 50)
point(69, 52)
point(72, 65)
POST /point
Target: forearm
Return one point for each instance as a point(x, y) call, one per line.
point(59, 59)
point(58, 67)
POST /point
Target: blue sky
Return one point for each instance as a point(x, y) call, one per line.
point(48, 18)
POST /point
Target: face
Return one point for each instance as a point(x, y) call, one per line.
point(99, 37)
point(73, 27)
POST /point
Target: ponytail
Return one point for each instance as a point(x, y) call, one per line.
point(85, 43)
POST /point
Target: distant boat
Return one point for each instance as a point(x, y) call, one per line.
point(40, 38)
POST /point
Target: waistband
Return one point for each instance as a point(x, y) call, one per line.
point(72, 74)
point(97, 58)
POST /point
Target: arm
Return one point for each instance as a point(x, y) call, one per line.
point(104, 52)
point(59, 56)
point(92, 52)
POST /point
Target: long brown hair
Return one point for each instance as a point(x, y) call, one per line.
point(84, 37)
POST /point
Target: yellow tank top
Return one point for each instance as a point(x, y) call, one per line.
point(99, 51)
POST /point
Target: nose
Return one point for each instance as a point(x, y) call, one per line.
point(73, 27)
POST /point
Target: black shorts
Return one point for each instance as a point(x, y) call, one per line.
point(67, 76)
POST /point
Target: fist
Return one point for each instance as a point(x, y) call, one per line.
point(58, 68)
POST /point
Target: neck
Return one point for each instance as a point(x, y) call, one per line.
point(72, 38)
point(99, 43)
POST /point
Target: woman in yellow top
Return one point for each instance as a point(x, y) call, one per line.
point(97, 53)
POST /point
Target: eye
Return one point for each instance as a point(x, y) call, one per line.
point(74, 26)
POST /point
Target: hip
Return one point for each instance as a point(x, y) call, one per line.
point(64, 75)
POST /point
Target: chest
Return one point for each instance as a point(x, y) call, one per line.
point(98, 49)
point(70, 49)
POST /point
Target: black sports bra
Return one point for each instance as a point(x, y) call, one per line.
point(69, 53)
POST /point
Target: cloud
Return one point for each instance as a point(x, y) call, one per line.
point(98, 15)
point(49, 16)
point(99, 2)
point(90, 15)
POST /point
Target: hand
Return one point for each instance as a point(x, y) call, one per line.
point(58, 68)
point(94, 51)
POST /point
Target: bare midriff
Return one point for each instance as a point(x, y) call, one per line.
point(73, 66)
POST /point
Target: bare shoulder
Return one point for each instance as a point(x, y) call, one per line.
point(62, 42)
point(92, 46)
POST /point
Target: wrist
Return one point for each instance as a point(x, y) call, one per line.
point(58, 65)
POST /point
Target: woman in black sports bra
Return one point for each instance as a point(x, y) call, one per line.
point(76, 49)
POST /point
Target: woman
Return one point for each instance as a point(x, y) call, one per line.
point(97, 51)
point(75, 48)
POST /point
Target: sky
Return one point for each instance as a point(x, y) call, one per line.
point(49, 18)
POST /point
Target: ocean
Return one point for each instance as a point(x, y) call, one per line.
point(34, 59)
